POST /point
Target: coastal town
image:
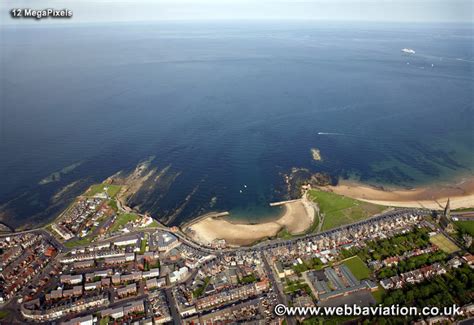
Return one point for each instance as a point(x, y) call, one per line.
point(100, 262)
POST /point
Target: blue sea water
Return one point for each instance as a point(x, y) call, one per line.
point(230, 108)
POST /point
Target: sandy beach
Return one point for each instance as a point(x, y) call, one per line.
point(297, 218)
point(461, 194)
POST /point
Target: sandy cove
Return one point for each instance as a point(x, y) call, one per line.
point(461, 194)
point(297, 218)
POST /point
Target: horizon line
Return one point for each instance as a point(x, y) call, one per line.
point(50, 22)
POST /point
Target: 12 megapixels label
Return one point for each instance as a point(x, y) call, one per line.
point(40, 13)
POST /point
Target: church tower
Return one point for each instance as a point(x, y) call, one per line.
point(445, 220)
point(447, 210)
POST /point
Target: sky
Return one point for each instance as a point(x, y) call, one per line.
point(336, 10)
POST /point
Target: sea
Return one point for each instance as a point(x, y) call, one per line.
point(225, 109)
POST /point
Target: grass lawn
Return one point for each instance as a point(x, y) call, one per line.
point(143, 246)
point(378, 295)
point(98, 188)
point(309, 264)
point(113, 205)
point(153, 224)
point(199, 291)
point(296, 286)
point(463, 209)
point(284, 234)
point(104, 320)
point(444, 243)
point(339, 210)
point(467, 226)
point(78, 242)
point(357, 267)
point(314, 225)
point(122, 220)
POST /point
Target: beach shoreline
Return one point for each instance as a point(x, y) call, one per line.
point(433, 196)
point(299, 214)
point(297, 218)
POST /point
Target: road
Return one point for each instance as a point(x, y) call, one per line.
point(260, 246)
point(277, 287)
point(173, 309)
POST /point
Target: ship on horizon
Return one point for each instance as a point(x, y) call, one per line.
point(408, 51)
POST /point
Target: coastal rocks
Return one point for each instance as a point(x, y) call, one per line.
point(213, 202)
point(316, 153)
point(5, 229)
point(145, 187)
point(56, 176)
point(320, 179)
point(303, 176)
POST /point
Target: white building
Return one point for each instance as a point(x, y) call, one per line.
point(63, 232)
point(93, 285)
point(71, 279)
point(126, 241)
point(152, 273)
point(166, 241)
point(178, 275)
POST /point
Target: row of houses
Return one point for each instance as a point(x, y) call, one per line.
point(112, 249)
point(77, 220)
point(135, 276)
point(60, 293)
point(415, 276)
point(393, 260)
point(327, 246)
point(34, 311)
point(13, 247)
point(235, 294)
point(127, 290)
point(92, 256)
point(122, 311)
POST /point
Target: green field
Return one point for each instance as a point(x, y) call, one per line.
point(339, 210)
point(357, 267)
point(314, 225)
point(113, 205)
point(122, 220)
point(78, 242)
point(378, 295)
point(104, 320)
point(444, 243)
point(296, 286)
point(284, 234)
point(143, 245)
point(153, 224)
point(462, 210)
point(467, 226)
point(99, 188)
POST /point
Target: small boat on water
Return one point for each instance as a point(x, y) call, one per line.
point(408, 51)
